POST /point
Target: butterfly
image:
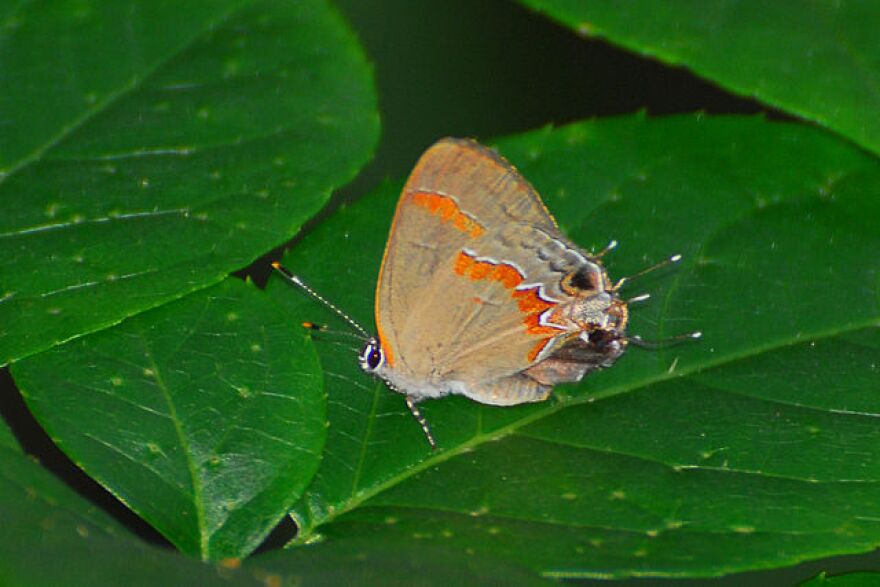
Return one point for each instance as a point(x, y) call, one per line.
point(481, 295)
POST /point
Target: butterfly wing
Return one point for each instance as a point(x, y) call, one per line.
point(460, 295)
point(478, 178)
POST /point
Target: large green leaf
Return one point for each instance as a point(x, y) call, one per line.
point(52, 536)
point(362, 560)
point(819, 60)
point(148, 149)
point(753, 448)
point(206, 416)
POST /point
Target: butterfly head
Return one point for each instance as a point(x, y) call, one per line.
point(605, 333)
point(594, 303)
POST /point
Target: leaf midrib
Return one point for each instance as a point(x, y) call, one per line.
point(198, 499)
point(358, 498)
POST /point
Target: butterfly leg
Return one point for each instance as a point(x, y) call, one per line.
point(417, 414)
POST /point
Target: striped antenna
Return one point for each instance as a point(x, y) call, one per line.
point(295, 280)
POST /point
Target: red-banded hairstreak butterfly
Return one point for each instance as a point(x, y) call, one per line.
point(481, 295)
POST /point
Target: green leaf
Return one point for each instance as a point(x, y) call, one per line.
point(755, 447)
point(44, 520)
point(8, 440)
point(362, 560)
point(866, 579)
point(818, 60)
point(147, 151)
point(205, 416)
point(52, 536)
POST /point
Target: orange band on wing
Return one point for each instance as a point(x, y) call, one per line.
point(467, 266)
point(534, 326)
point(528, 300)
point(508, 276)
point(533, 354)
point(463, 263)
point(448, 210)
point(389, 356)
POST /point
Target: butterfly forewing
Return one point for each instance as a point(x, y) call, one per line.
point(453, 300)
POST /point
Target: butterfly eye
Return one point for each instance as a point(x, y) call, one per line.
point(372, 357)
point(375, 359)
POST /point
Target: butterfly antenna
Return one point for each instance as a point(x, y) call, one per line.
point(646, 270)
point(323, 328)
point(663, 343)
point(608, 248)
point(295, 280)
point(638, 298)
point(414, 410)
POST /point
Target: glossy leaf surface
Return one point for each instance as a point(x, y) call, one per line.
point(817, 60)
point(205, 416)
point(147, 151)
point(363, 560)
point(753, 448)
point(53, 536)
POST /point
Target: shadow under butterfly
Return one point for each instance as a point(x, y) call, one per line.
point(481, 295)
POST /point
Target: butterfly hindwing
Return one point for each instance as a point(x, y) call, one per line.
point(458, 298)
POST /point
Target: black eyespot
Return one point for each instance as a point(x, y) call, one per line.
point(583, 280)
point(581, 283)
